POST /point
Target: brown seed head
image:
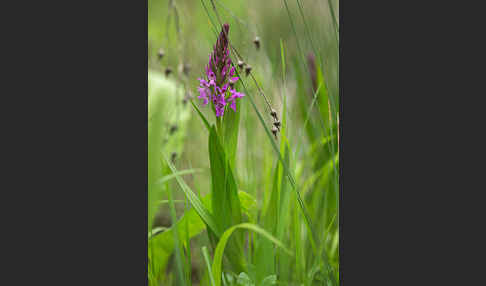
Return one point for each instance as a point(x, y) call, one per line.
point(173, 129)
point(240, 64)
point(247, 70)
point(274, 114)
point(168, 71)
point(256, 41)
point(274, 131)
point(161, 54)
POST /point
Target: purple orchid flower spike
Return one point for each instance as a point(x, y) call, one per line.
point(218, 87)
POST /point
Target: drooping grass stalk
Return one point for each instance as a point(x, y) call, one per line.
point(309, 224)
point(287, 172)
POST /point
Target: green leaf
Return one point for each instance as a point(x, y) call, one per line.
point(248, 205)
point(269, 280)
point(161, 242)
point(194, 200)
point(231, 124)
point(203, 118)
point(172, 176)
point(244, 280)
point(225, 201)
point(218, 254)
point(206, 259)
point(224, 190)
point(162, 245)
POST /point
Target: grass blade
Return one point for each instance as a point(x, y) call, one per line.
point(218, 254)
point(194, 200)
point(208, 264)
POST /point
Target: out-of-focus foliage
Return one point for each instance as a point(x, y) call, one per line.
point(270, 192)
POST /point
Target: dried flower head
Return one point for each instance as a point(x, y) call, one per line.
point(219, 85)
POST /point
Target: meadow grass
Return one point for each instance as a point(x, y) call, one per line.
point(230, 203)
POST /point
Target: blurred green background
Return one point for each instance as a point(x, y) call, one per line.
point(184, 32)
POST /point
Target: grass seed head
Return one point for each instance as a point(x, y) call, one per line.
point(173, 129)
point(247, 70)
point(160, 54)
point(256, 41)
point(274, 131)
point(168, 71)
point(274, 114)
point(241, 64)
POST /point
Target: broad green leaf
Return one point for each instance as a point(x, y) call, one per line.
point(161, 244)
point(225, 201)
point(218, 254)
point(224, 190)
